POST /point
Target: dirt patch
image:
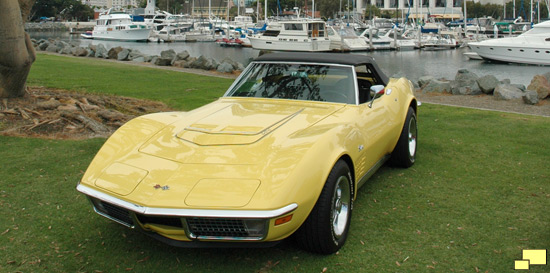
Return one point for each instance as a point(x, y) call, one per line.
point(61, 114)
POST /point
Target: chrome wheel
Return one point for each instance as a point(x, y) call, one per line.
point(341, 201)
point(412, 137)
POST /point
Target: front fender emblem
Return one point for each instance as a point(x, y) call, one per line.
point(164, 188)
point(361, 147)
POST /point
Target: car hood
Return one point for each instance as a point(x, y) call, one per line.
point(233, 131)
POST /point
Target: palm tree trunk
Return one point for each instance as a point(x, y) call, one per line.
point(16, 51)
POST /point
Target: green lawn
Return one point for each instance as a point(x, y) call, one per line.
point(477, 195)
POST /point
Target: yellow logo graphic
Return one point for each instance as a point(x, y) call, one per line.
point(531, 257)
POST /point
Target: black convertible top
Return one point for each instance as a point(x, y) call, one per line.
point(324, 58)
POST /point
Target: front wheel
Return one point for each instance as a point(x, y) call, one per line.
point(326, 228)
point(404, 153)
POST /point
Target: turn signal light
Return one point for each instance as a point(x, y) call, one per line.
point(283, 220)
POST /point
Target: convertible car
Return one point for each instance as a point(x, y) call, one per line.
point(282, 153)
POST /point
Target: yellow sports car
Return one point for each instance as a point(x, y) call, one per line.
point(283, 152)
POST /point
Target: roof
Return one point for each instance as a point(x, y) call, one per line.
point(324, 58)
point(332, 58)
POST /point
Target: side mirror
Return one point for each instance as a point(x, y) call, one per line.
point(378, 91)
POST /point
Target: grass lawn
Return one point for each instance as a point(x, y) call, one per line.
point(478, 194)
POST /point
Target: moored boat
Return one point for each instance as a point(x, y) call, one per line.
point(119, 26)
point(294, 35)
point(531, 47)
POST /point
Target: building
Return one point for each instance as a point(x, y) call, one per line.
point(218, 8)
point(444, 9)
point(117, 4)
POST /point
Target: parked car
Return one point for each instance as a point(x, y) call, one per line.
point(283, 152)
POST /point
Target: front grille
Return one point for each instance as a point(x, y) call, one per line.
point(114, 212)
point(217, 227)
point(160, 220)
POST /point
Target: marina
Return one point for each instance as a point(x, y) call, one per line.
point(410, 63)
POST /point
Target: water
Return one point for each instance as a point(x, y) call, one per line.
point(411, 64)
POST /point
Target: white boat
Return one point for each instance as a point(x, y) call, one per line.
point(472, 55)
point(345, 39)
point(119, 26)
point(172, 33)
point(531, 47)
point(399, 41)
point(294, 35)
point(376, 42)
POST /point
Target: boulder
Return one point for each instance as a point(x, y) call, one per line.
point(148, 58)
point(507, 92)
point(168, 54)
point(531, 97)
point(424, 80)
point(113, 52)
point(189, 62)
point(101, 51)
point(135, 54)
point(179, 63)
point(163, 61)
point(80, 52)
point(51, 48)
point(153, 59)
point(123, 55)
point(182, 56)
point(541, 85)
point(487, 83)
point(437, 86)
point(547, 74)
point(240, 66)
point(139, 59)
point(200, 63)
point(44, 45)
point(465, 83)
point(66, 50)
point(225, 68)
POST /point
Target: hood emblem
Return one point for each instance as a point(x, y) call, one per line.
point(164, 188)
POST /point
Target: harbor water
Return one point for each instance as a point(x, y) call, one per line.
point(412, 64)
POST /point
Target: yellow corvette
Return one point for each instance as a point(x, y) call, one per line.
point(283, 152)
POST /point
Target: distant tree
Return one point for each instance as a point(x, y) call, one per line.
point(371, 11)
point(328, 8)
point(66, 9)
point(16, 50)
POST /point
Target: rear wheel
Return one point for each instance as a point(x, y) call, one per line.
point(326, 228)
point(404, 153)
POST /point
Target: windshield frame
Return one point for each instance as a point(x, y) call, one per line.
point(251, 65)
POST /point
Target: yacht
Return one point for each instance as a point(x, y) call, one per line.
point(531, 47)
point(119, 26)
point(345, 39)
point(376, 42)
point(294, 35)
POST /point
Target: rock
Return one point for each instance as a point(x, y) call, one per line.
point(506, 81)
point(139, 59)
point(101, 51)
point(81, 52)
point(66, 50)
point(179, 63)
point(75, 43)
point(153, 59)
point(547, 75)
point(148, 58)
point(531, 97)
point(123, 55)
point(541, 85)
point(182, 55)
point(92, 47)
point(487, 83)
point(424, 80)
point(113, 52)
point(51, 48)
point(465, 83)
point(225, 68)
point(200, 63)
point(163, 61)
point(135, 54)
point(168, 54)
point(507, 92)
point(189, 62)
point(240, 66)
point(49, 104)
point(43, 46)
point(437, 86)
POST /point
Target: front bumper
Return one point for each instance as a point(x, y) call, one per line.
point(180, 226)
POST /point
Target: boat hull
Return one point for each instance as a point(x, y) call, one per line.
point(306, 45)
point(133, 35)
point(523, 54)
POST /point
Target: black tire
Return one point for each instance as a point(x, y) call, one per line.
point(404, 153)
point(326, 229)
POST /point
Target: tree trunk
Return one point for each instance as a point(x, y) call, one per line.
point(16, 50)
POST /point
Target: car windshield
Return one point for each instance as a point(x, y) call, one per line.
point(313, 82)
